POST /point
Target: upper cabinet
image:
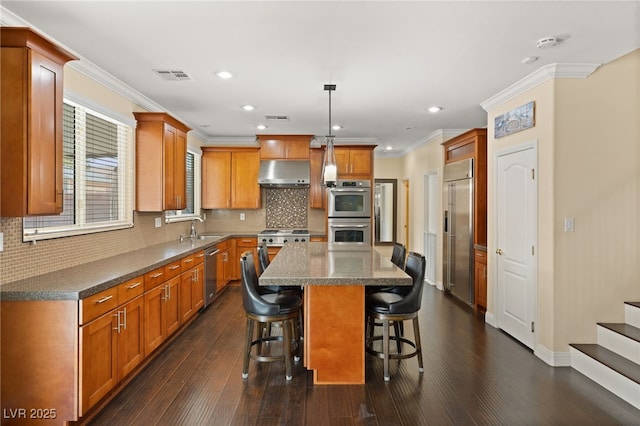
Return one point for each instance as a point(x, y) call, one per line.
point(473, 144)
point(161, 153)
point(31, 94)
point(355, 162)
point(284, 147)
point(230, 178)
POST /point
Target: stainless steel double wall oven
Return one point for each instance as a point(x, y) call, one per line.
point(349, 212)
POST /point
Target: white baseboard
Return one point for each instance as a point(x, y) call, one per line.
point(490, 319)
point(554, 359)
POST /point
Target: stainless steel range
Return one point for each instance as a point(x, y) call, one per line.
point(278, 237)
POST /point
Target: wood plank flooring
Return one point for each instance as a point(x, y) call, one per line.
point(474, 374)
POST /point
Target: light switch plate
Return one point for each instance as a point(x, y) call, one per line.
point(158, 222)
point(241, 216)
point(1, 241)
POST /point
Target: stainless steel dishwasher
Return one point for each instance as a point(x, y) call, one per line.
point(210, 275)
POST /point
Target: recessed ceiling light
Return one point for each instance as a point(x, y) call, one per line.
point(261, 127)
point(248, 107)
point(336, 127)
point(434, 109)
point(225, 75)
point(530, 59)
point(388, 148)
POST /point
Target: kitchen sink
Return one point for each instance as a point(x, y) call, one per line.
point(209, 237)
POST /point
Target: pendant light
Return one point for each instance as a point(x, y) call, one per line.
point(329, 168)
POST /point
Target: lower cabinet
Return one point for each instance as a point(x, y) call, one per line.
point(226, 269)
point(480, 280)
point(70, 354)
point(112, 344)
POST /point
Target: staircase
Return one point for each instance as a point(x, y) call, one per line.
point(614, 362)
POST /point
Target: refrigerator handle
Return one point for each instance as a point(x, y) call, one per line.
point(446, 221)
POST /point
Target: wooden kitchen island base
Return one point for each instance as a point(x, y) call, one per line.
point(334, 333)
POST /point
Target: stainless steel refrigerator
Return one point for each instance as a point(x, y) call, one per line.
point(458, 230)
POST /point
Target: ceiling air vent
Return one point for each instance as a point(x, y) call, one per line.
point(172, 75)
point(277, 117)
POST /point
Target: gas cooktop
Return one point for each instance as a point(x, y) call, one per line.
point(278, 237)
point(284, 232)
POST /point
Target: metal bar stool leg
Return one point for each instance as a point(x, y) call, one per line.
point(286, 331)
point(247, 348)
point(416, 332)
point(385, 348)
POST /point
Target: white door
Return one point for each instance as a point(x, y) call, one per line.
point(516, 220)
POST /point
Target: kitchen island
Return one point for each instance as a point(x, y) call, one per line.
point(334, 277)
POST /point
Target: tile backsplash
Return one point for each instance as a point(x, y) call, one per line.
point(286, 208)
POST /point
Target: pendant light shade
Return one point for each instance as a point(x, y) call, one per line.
point(329, 167)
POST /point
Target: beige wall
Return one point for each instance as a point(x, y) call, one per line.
point(588, 168)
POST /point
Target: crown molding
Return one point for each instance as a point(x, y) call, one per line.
point(538, 77)
point(231, 140)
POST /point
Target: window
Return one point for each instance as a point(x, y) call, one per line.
point(193, 191)
point(97, 177)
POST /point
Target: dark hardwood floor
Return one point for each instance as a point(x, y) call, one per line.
point(474, 374)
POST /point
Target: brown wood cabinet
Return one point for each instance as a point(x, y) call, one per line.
point(242, 245)
point(473, 144)
point(191, 285)
point(289, 147)
point(161, 154)
point(161, 305)
point(110, 340)
point(230, 178)
point(317, 191)
point(480, 280)
point(354, 162)
point(226, 269)
point(31, 90)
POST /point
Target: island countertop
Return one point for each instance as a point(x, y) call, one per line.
point(319, 263)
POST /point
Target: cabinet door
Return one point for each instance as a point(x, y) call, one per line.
point(317, 192)
point(98, 359)
point(172, 306)
point(220, 269)
point(480, 279)
point(197, 294)
point(216, 183)
point(186, 295)
point(175, 152)
point(154, 333)
point(342, 162)
point(360, 160)
point(245, 191)
point(130, 337)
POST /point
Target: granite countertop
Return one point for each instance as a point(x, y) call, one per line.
point(318, 263)
point(81, 281)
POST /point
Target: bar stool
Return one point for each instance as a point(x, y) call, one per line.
point(266, 309)
point(391, 307)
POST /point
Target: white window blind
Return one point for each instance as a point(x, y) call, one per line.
point(193, 164)
point(97, 177)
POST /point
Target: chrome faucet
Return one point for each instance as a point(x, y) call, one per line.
point(193, 233)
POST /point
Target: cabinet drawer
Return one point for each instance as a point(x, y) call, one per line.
point(481, 256)
point(199, 255)
point(247, 242)
point(188, 262)
point(94, 306)
point(130, 289)
point(154, 278)
point(172, 270)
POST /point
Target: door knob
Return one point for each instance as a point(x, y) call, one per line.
point(499, 251)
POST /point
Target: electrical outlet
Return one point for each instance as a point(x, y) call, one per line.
point(241, 216)
point(158, 222)
point(569, 224)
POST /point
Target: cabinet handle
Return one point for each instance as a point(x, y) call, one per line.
point(188, 260)
point(174, 267)
point(117, 327)
point(166, 297)
point(132, 286)
point(124, 314)
point(200, 255)
point(104, 299)
point(159, 274)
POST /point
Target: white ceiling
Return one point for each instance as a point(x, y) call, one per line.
point(390, 60)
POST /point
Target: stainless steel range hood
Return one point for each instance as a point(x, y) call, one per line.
point(284, 173)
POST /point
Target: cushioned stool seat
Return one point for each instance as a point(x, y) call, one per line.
point(265, 309)
point(387, 308)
